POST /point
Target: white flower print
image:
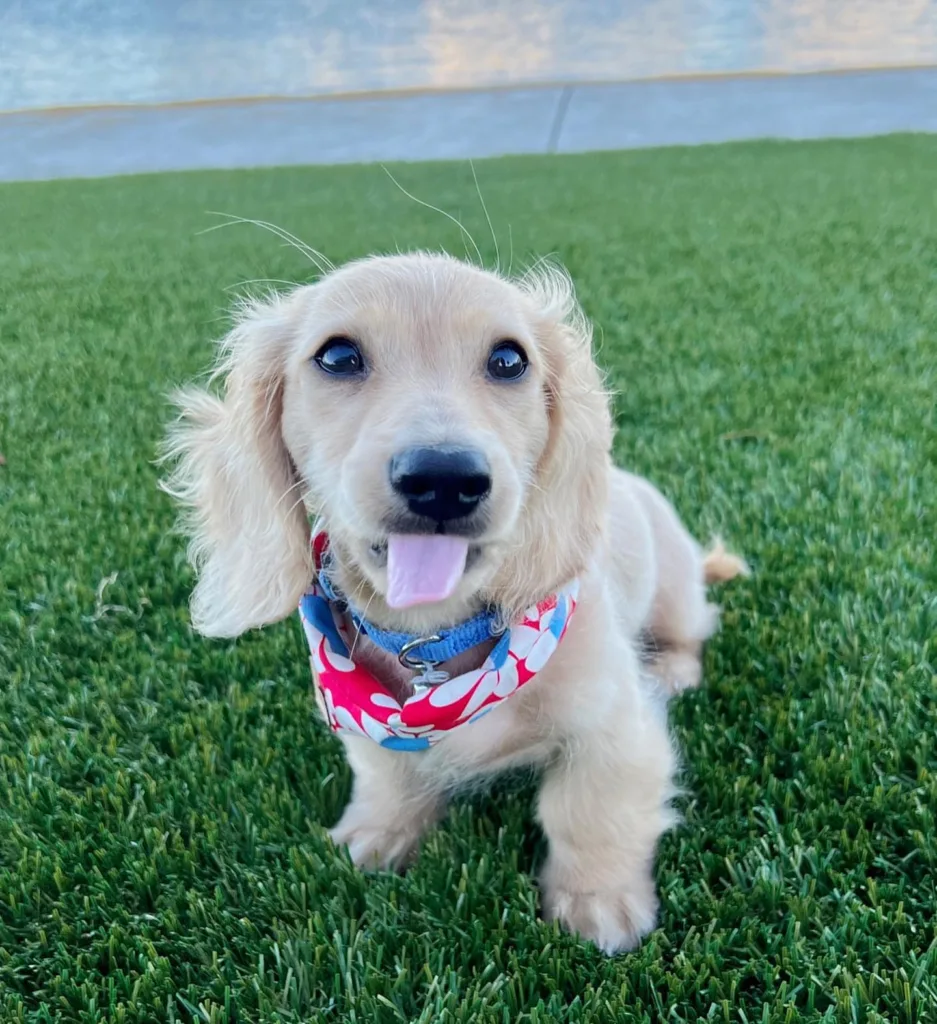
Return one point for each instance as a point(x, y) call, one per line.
point(452, 692)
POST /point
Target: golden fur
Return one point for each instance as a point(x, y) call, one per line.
point(283, 441)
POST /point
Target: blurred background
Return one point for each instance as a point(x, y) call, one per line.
point(75, 52)
point(91, 87)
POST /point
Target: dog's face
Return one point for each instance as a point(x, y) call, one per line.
point(416, 405)
point(447, 424)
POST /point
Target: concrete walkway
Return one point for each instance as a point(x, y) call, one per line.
point(92, 142)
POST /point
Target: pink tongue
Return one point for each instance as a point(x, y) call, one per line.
point(423, 568)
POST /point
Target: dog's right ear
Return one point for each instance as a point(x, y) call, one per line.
point(234, 476)
point(567, 510)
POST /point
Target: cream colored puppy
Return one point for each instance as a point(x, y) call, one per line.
point(451, 431)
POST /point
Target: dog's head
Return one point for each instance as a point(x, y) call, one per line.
point(449, 426)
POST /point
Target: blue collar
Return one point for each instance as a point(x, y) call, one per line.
point(441, 646)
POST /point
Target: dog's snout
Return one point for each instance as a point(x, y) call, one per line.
point(441, 482)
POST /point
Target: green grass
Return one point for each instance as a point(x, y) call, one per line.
point(768, 314)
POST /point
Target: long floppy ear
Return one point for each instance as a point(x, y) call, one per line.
point(567, 506)
point(234, 476)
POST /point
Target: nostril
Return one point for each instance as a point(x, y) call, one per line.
point(442, 482)
point(474, 487)
point(415, 486)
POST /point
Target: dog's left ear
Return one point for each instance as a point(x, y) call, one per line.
point(567, 510)
point(233, 473)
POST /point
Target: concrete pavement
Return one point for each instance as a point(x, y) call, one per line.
point(92, 142)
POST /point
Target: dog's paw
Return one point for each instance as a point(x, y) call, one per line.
point(677, 671)
point(616, 920)
point(374, 845)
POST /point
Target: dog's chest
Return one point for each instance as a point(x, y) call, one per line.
point(398, 679)
point(514, 732)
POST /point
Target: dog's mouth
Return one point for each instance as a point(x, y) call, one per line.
point(423, 568)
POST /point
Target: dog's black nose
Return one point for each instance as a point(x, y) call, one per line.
point(442, 482)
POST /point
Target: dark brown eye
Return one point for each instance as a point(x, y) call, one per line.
point(508, 361)
point(340, 357)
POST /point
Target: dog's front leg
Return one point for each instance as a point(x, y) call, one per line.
point(603, 805)
point(391, 806)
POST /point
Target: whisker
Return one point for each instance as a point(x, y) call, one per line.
point(261, 280)
point(224, 316)
point(319, 260)
point(481, 199)
point(364, 616)
point(429, 206)
point(299, 501)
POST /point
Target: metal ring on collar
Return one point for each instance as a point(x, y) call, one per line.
point(414, 664)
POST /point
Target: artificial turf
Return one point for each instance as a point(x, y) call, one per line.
point(768, 316)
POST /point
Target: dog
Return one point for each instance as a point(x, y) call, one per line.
point(473, 553)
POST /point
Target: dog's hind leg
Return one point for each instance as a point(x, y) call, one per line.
point(683, 618)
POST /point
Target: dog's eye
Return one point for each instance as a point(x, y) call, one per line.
point(508, 361)
point(340, 357)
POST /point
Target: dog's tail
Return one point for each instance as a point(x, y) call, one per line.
point(720, 565)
